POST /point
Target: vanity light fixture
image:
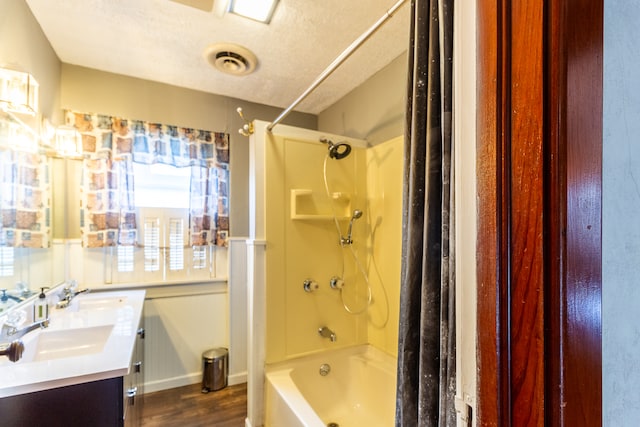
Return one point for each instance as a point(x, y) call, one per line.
point(258, 10)
point(47, 133)
point(15, 134)
point(18, 92)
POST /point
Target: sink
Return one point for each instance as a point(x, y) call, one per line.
point(96, 302)
point(57, 344)
point(73, 336)
point(92, 339)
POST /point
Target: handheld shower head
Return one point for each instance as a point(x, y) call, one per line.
point(357, 213)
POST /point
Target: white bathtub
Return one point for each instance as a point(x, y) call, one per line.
point(359, 390)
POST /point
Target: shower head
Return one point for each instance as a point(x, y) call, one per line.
point(357, 213)
point(337, 151)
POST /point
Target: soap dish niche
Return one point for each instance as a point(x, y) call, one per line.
point(309, 205)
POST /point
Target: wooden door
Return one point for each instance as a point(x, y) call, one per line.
point(539, 225)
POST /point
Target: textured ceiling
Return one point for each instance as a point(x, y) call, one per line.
point(164, 41)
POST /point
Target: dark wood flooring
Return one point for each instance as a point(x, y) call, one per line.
point(189, 407)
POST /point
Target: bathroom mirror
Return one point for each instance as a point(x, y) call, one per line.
point(34, 210)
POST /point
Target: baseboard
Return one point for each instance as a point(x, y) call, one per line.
point(181, 381)
point(167, 383)
point(239, 378)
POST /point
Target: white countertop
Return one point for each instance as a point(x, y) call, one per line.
point(103, 325)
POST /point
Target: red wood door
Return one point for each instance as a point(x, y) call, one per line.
point(539, 226)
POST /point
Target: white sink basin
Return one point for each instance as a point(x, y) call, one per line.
point(96, 302)
point(57, 344)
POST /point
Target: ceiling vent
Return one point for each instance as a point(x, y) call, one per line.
point(231, 59)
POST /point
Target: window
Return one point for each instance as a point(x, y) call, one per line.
point(162, 252)
point(151, 244)
point(199, 257)
point(7, 258)
point(176, 244)
point(161, 186)
point(125, 258)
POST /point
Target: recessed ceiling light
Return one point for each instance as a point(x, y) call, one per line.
point(259, 10)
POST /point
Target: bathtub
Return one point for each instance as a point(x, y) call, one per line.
point(359, 390)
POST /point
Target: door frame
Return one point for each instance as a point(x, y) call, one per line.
point(539, 162)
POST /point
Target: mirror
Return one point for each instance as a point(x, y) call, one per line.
point(174, 248)
point(33, 192)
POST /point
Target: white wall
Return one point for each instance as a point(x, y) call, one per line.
point(179, 328)
point(465, 193)
point(621, 206)
point(23, 46)
point(237, 301)
point(374, 111)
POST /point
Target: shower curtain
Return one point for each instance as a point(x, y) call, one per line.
point(426, 348)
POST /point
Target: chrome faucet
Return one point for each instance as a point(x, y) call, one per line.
point(325, 332)
point(5, 297)
point(10, 331)
point(67, 294)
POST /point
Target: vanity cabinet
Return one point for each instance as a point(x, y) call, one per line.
point(108, 393)
point(133, 383)
point(112, 402)
point(96, 404)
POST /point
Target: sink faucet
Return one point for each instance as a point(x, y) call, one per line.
point(327, 333)
point(67, 294)
point(5, 297)
point(11, 332)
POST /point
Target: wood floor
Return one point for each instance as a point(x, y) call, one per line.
point(189, 407)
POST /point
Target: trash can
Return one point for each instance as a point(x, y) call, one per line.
point(215, 369)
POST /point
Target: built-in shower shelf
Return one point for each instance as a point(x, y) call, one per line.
point(309, 205)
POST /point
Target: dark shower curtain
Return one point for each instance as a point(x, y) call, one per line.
point(426, 349)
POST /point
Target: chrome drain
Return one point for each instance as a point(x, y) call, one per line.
point(333, 425)
point(325, 368)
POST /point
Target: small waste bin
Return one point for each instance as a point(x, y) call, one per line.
point(215, 369)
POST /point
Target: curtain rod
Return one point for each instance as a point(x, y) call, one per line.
point(337, 62)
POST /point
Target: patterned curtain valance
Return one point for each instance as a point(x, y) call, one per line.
point(117, 142)
point(149, 142)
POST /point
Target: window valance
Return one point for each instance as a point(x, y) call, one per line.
point(110, 144)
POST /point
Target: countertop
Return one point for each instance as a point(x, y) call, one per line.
point(92, 339)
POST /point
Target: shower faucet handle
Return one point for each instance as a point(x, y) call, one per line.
point(336, 282)
point(310, 285)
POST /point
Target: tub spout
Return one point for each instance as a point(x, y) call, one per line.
point(327, 333)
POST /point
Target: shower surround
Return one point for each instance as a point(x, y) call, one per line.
point(293, 238)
